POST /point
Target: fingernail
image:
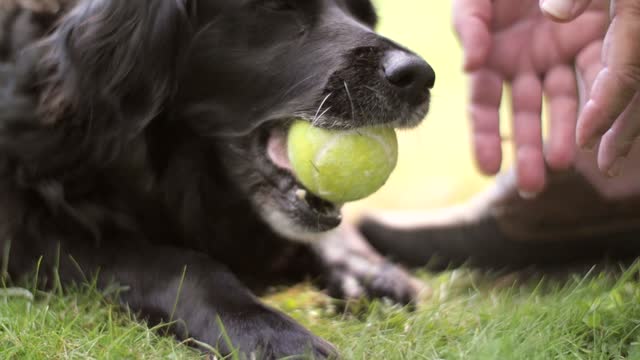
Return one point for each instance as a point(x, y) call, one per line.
point(528, 195)
point(560, 9)
point(616, 168)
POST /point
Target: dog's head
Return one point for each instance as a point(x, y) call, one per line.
point(255, 65)
point(237, 72)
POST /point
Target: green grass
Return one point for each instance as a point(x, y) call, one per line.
point(80, 324)
point(469, 316)
point(475, 317)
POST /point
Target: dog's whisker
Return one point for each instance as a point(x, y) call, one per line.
point(374, 90)
point(353, 112)
point(315, 117)
point(297, 85)
point(315, 121)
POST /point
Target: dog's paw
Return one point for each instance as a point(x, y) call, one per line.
point(358, 278)
point(264, 333)
point(353, 270)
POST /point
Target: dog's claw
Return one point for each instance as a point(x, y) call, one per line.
point(354, 270)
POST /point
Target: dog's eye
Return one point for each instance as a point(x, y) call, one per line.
point(277, 5)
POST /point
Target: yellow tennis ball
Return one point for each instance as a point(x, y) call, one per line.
point(342, 165)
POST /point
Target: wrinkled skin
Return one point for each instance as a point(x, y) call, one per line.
point(611, 112)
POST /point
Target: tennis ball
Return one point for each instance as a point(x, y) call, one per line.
point(342, 165)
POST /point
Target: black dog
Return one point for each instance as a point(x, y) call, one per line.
point(138, 143)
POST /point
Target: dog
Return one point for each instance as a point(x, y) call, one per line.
point(141, 144)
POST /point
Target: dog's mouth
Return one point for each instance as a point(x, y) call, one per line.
point(284, 202)
point(298, 212)
point(307, 210)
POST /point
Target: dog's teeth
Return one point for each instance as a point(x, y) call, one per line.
point(301, 194)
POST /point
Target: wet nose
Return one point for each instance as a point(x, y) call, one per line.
point(409, 74)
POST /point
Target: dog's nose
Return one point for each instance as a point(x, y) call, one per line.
point(410, 74)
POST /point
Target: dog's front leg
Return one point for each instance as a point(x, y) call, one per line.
point(207, 303)
point(201, 298)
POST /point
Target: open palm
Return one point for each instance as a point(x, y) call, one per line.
point(511, 42)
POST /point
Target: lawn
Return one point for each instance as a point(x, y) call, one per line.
point(468, 316)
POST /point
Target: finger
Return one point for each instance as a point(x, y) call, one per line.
point(527, 131)
point(588, 64)
point(618, 82)
point(562, 94)
point(618, 141)
point(472, 19)
point(486, 95)
point(609, 98)
point(563, 10)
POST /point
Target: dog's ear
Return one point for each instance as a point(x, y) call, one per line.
point(119, 56)
point(109, 68)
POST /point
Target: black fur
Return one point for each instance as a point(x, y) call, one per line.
point(132, 146)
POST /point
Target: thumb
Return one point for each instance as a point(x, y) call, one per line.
point(617, 84)
point(563, 10)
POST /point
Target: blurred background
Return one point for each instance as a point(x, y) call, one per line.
point(436, 166)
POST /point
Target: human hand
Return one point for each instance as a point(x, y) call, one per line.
point(513, 42)
point(612, 113)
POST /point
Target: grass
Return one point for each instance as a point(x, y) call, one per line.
point(469, 316)
point(79, 324)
